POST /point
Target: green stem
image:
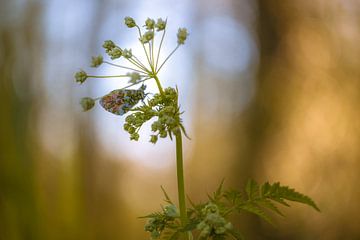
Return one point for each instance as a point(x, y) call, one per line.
point(158, 84)
point(113, 76)
point(180, 179)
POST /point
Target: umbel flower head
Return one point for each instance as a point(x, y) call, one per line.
point(182, 35)
point(147, 37)
point(161, 107)
point(87, 103)
point(130, 22)
point(160, 24)
point(96, 61)
point(149, 24)
point(81, 76)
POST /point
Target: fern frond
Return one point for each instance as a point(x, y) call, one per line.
point(233, 196)
point(252, 189)
point(266, 203)
point(253, 208)
point(278, 193)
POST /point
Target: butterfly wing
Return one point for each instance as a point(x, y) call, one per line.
point(114, 102)
point(120, 101)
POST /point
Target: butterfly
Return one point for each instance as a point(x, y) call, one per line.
point(120, 101)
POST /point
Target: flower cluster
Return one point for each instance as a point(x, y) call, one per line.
point(213, 223)
point(164, 107)
point(120, 101)
point(158, 222)
point(81, 76)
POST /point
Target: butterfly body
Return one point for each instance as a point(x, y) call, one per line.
point(120, 101)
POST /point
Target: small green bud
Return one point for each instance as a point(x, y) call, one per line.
point(163, 134)
point(155, 126)
point(205, 232)
point(155, 234)
point(182, 35)
point(147, 37)
point(171, 211)
point(149, 24)
point(210, 208)
point(126, 126)
point(134, 77)
point(220, 230)
point(134, 136)
point(131, 130)
point(130, 118)
point(87, 103)
point(153, 139)
point(114, 53)
point(96, 61)
point(160, 25)
point(228, 226)
point(201, 225)
point(108, 45)
point(81, 76)
point(127, 53)
point(129, 22)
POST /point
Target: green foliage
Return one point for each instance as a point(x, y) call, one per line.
point(208, 220)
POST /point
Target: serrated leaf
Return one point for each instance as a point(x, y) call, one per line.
point(268, 204)
point(233, 196)
point(253, 208)
point(279, 200)
point(252, 189)
point(218, 193)
point(277, 193)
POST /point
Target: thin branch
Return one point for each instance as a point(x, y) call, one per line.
point(168, 57)
point(158, 54)
point(133, 69)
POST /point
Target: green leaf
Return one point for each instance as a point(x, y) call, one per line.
point(253, 208)
point(252, 189)
point(268, 204)
point(277, 193)
point(233, 196)
point(218, 193)
point(167, 198)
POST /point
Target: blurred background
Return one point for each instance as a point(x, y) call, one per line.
point(270, 89)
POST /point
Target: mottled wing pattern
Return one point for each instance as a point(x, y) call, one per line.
point(120, 101)
point(114, 102)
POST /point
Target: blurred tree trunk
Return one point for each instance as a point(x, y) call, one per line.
point(19, 47)
point(299, 123)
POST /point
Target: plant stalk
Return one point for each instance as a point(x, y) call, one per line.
point(180, 180)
